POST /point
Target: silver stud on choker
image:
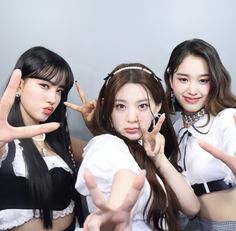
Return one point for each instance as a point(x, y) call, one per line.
point(192, 118)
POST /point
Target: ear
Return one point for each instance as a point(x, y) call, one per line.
point(21, 86)
point(171, 82)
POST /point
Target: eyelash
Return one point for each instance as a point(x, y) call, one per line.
point(43, 85)
point(119, 106)
point(141, 107)
point(201, 81)
point(46, 86)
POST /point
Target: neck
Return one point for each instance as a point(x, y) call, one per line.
point(39, 137)
point(193, 117)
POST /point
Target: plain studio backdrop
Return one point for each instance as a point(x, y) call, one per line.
point(96, 35)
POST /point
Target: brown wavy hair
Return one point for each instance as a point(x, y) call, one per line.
point(220, 94)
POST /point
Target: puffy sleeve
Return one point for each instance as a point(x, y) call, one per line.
point(104, 155)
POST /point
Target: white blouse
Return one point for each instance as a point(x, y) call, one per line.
point(10, 218)
point(104, 155)
point(200, 166)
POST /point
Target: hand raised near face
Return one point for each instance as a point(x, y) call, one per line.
point(153, 142)
point(8, 132)
point(106, 218)
point(87, 109)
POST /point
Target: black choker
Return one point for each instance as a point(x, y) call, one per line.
point(193, 118)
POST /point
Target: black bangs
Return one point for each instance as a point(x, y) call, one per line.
point(59, 75)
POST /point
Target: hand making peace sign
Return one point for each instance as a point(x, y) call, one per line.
point(87, 108)
point(8, 132)
point(154, 141)
point(106, 218)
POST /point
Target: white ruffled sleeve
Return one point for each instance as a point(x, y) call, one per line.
point(104, 156)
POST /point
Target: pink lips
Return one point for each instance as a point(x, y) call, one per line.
point(131, 130)
point(191, 100)
point(48, 111)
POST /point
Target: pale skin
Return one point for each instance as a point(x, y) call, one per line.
point(51, 94)
point(191, 86)
point(131, 117)
point(107, 218)
point(11, 133)
point(227, 159)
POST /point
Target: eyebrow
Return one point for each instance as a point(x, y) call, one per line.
point(49, 81)
point(182, 74)
point(139, 101)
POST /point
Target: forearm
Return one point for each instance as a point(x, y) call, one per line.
point(184, 193)
point(121, 184)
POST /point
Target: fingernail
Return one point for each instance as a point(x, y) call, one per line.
point(61, 125)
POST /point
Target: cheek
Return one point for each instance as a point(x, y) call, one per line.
point(58, 100)
point(116, 119)
point(207, 90)
point(146, 119)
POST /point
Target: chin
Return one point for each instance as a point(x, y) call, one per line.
point(133, 137)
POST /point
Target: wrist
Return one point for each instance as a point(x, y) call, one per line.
point(160, 160)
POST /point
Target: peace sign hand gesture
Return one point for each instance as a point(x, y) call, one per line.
point(154, 142)
point(87, 109)
point(8, 132)
point(106, 218)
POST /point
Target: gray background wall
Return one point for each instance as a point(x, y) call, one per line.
point(96, 35)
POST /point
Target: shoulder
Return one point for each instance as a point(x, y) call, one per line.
point(105, 142)
point(226, 117)
point(108, 152)
point(226, 112)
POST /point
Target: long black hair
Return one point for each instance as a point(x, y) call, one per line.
point(41, 63)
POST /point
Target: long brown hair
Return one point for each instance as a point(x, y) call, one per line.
point(161, 206)
point(220, 94)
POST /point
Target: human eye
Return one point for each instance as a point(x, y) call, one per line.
point(203, 81)
point(60, 91)
point(44, 85)
point(183, 79)
point(120, 106)
point(143, 106)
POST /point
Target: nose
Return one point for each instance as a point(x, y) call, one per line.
point(132, 116)
point(192, 88)
point(51, 96)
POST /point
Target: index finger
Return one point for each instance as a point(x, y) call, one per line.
point(133, 193)
point(159, 123)
point(96, 194)
point(210, 148)
point(9, 94)
point(81, 92)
